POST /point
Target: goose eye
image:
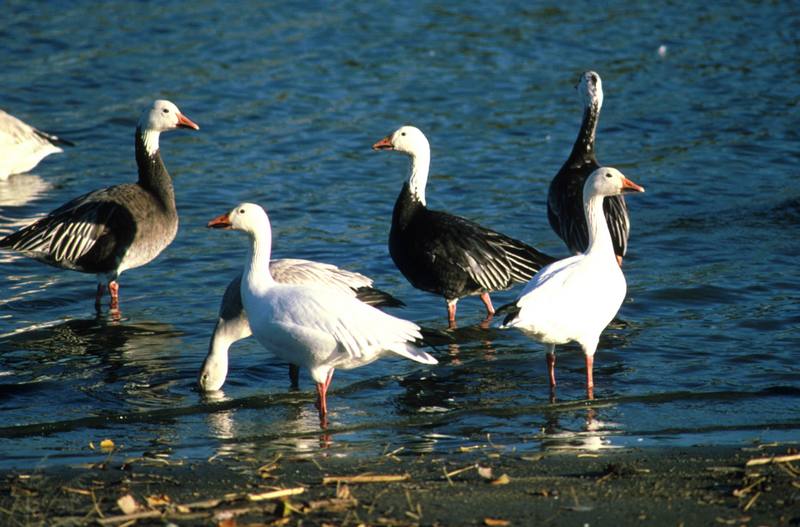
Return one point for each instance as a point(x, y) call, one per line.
point(403, 134)
point(165, 110)
point(241, 211)
point(608, 175)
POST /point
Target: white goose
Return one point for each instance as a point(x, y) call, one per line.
point(311, 326)
point(22, 146)
point(232, 324)
point(574, 299)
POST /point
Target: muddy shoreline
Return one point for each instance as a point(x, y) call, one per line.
point(484, 485)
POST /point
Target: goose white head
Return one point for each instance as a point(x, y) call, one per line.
point(162, 116)
point(411, 141)
point(214, 371)
point(590, 89)
point(246, 217)
point(407, 139)
point(608, 181)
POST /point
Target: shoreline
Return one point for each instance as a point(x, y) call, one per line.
point(480, 485)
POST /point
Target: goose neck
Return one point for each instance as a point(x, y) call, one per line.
point(599, 235)
point(417, 181)
point(257, 276)
point(153, 175)
point(584, 144)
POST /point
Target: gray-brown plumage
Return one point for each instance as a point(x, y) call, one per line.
point(110, 230)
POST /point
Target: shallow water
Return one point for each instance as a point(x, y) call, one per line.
point(289, 100)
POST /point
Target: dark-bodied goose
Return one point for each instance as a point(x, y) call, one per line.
point(232, 324)
point(574, 299)
point(565, 197)
point(22, 146)
point(308, 325)
point(116, 228)
point(445, 254)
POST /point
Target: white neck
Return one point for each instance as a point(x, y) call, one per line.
point(420, 163)
point(257, 276)
point(599, 235)
point(150, 140)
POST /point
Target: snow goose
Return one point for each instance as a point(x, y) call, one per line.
point(232, 323)
point(574, 299)
point(308, 325)
point(565, 196)
point(22, 146)
point(446, 254)
point(116, 228)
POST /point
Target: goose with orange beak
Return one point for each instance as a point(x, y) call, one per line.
point(574, 299)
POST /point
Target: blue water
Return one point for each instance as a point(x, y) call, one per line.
point(289, 99)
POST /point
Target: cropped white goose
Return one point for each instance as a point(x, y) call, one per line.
point(446, 254)
point(232, 324)
point(565, 196)
point(574, 299)
point(116, 228)
point(312, 326)
point(22, 146)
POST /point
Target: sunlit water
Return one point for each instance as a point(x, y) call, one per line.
point(289, 100)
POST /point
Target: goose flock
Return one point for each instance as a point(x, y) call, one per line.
point(316, 316)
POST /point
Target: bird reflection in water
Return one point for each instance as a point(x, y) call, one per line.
point(18, 190)
point(594, 434)
point(247, 427)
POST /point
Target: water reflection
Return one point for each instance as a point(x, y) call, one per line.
point(246, 427)
point(18, 190)
point(112, 363)
point(583, 433)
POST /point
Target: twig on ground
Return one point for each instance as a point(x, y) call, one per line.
point(274, 494)
point(367, 478)
point(772, 459)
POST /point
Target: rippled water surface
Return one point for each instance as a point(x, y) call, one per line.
point(290, 98)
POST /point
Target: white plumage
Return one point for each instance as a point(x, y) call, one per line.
point(312, 326)
point(232, 324)
point(22, 146)
point(574, 299)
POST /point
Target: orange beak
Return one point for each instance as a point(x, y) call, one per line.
point(384, 144)
point(220, 222)
point(629, 185)
point(185, 122)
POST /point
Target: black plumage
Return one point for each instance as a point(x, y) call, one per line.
point(565, 196)
point(446, 254)
point(454, 257)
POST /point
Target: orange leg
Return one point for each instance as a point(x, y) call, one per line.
point(113, 289)
point(589, 377)
point(322, 399)
point(451, 313)
point(619, 260)
point(487, 301)
point(551, 373)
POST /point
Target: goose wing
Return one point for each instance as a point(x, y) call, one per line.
point(491, 259)
point(77, 235)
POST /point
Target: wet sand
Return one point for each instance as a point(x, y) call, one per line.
point(484, 485)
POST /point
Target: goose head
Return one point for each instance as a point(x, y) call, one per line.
point(590, 89)
point(213, 373)
point(246, 217)
point(608, 181)
point(163, 116)
point(407, 139)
